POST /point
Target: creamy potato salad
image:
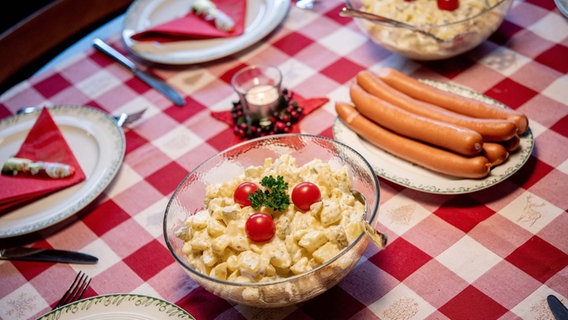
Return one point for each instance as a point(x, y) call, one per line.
point(426, 12)
point(219, 240)
point(445, 24)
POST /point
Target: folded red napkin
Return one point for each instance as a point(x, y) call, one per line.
point(192, 26)
point(44, 143)
point(308, 106)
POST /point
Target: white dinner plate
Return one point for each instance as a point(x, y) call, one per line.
point(406, 174)
point(97, 143)
point(119, 306)
point(262, 17)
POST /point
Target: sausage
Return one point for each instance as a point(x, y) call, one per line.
point(490, 129)
point(458, 139)
point(427, 156)
point(496, 153)
point(512, 144)
point(451, 101)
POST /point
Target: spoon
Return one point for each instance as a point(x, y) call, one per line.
point(353, 13)
point(378, 238)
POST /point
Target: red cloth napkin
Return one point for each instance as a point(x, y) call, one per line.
point(192, 26)
point(309, 105)
point(44, 142)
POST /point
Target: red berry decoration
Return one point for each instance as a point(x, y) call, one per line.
point(281, 122)
point(448, 5)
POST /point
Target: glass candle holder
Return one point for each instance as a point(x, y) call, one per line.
point(258, 87)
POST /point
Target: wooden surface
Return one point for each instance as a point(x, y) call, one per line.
point(39, 37)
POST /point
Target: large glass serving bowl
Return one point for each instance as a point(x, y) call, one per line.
point(458, 36)
point(189, 199)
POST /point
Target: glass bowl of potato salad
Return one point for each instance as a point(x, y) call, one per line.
point(273, 221)
point(442, 28)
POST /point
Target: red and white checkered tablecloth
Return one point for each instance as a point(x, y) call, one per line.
point(492, 254)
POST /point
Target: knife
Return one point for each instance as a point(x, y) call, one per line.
point(47, 255)
point(558, 309)
point(152, 81)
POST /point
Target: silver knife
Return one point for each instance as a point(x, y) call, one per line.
point(46, 255)
point(558, 309)
point(154, 82)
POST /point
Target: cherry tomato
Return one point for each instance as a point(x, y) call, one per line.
point(242, 192)
point(449, 5)
point(305, 194)
point(260, 227)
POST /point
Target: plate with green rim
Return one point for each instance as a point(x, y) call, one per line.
point(119, 306)
point(412, 176)
point(97, 142)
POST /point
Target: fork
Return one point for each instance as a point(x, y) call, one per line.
point(120, 119)
point(75, 291)
point(126, 118)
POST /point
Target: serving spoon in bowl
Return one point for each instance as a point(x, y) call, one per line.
point(354, 13)
point(380, 239)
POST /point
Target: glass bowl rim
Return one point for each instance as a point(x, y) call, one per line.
point(435, 26)
point(374, 213)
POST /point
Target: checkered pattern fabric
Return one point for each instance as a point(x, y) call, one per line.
point(491, 254)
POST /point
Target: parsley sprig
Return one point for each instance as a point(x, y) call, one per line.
point(275, 194)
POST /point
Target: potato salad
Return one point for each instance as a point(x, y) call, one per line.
point(426, 12)
point(273, 221)
point(463, 26)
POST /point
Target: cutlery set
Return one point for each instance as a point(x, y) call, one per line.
point(558, 309)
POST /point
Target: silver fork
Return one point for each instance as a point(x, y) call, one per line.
point(76, 290)
point(120, 119)
point(126, 118)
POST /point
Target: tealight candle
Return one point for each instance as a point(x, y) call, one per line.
point(258, 88)
point(262, 95)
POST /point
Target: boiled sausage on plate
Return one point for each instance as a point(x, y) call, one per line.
point(430, 157)
point(490, 129)
point(496, 153)
point(458, 139)
point(450, 100)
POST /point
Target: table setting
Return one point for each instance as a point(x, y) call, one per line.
point(276, 159)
